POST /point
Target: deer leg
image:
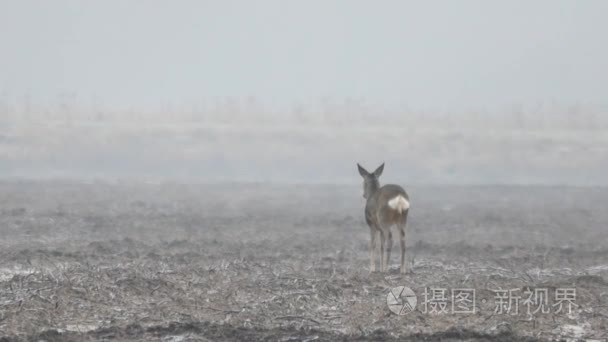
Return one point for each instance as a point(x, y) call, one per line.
point(389, 246)
point(382, 240)
point(372, 250)
point(402, 227)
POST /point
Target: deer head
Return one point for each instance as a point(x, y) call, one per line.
point(370, 180)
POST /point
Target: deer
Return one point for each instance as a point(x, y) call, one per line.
point(385, 207)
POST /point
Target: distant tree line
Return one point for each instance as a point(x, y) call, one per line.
point(68, 108)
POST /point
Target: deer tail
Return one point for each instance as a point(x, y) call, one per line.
point(399, 203)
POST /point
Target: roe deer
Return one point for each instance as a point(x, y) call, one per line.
point(386, 206)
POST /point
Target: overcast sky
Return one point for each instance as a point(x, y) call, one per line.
point(437, 54)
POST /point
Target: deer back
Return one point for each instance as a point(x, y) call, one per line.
point(389, 205)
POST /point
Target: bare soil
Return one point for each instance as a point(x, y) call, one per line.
point(231, 262)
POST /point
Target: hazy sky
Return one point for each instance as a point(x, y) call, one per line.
point(422, 53)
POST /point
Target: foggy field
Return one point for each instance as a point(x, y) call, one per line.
point(188, 171)
point(180, 262)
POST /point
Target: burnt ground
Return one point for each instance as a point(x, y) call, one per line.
point(230, 262)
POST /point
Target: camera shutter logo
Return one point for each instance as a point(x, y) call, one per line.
point(401, 300)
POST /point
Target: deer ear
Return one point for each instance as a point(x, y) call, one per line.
point(379, 170)
point(363, 172)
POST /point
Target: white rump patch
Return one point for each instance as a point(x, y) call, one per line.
point(399, 203)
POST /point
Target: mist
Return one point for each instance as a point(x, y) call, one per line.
point(313, 170)
point(466, 92)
